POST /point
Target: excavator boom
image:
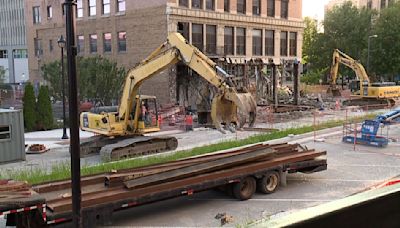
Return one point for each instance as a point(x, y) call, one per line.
point(230, 108)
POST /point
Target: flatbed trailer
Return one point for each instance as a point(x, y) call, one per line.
point(105, 194)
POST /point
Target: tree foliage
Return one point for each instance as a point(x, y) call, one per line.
point(385, 49)
point(44, 109)
point(100, 79)
point(310, 34)
point(29, 109)
point(346, 28)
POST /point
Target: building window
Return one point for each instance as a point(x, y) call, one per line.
point(51, 45)
point(228, 41)
point(93, 43)
point(79, 8)
point(197, 4)
point(107, 42)
point(284, 43)
point(81, 44)
point(184, 3)
point(227, 6)
point(211, 39)
point(241, 6)
point(293, 44)
point(5, 132)
point(183, 28)
point(197, 36)
point(121, 6)
point(240, 41)
point(256, 7)
point(271, 8)
point(49, 12)
point(3, 54)
point(36, 15)
point(92, 7)
point(20, 54)
point(285, 9)
point(257, 42)
point(106, 7)
point(269, 42)
point(38, 47)
point(210, 4)
point(122, 41)
point(383, 4)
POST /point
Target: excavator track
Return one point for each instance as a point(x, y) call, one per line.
point(370, 101)
point(137, 146)
point(126, 146)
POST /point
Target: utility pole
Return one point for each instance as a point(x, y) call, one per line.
point(70, 6)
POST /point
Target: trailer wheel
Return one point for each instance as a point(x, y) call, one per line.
point(245, 189)
point(269, 183)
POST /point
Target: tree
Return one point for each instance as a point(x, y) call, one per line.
point(52, 74)
point(100, 79)
point(346, 28)
point(310, 34)
point(385, 48)
point(29, 107)
point(44, 109)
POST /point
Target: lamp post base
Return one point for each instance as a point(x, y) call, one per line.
point(65, 136)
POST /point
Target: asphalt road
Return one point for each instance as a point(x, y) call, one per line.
point(348, 172)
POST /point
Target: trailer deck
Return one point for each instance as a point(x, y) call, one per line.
point(106, 193)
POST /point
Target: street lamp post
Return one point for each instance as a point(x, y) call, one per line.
point(61, 43)
point(369, 45)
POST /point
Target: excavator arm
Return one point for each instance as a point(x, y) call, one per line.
point(341, 58)
point(225, 105)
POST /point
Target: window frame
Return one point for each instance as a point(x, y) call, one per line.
point(229, 49)
point(108, 42)
point(284, 48)
point(269, 46)
point(244, 7)
point(257, 49)
point(201, 4)
point(36, 15)
point(293, 50)
point(239, 46)
point(4, 54)
point(79, 8)
point(104, 4)
point(227, 6)
point(206, 5)
point(80, 48)
point(91, 43)
point(90, 7)
point(183, 3)
point(9, 133)
point(118, 7)
point(271, 10)
point(49, 12)
point(211, 48)
point(258, 6)
point(285, 12)
point(201, 48)
point(120, 41)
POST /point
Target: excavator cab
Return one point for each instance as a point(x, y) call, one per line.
point(146, 114)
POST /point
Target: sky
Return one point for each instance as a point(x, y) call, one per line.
point(314, 8)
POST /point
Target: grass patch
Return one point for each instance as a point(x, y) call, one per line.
point(62, 171)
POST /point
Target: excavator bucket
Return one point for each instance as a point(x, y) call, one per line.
point(233, 109)
point(333, 91)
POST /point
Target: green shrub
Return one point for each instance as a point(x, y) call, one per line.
point(44, 109)
point(312, 77)
point(29, 100)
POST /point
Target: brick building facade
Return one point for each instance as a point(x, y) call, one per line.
point(128, 30)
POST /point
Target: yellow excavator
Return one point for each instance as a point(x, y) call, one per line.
point(120, 132)
point(364, 91)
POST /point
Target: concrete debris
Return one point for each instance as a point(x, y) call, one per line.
point(224, 218)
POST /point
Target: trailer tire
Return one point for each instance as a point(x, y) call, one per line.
point(269, 182)
point(245, 189)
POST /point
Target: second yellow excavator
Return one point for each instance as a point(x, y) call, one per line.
point(364, 91)
point(120, 132)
